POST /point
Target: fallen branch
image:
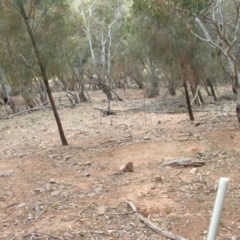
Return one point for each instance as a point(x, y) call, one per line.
point(184, 162)
point(33, 232)
point(29, 110)
point(151, 225)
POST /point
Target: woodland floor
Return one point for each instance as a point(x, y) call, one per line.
point(50, 191)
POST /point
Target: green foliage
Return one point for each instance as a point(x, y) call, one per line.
point(152, 31)
point(160, 9)
point(192, 6)
point(52, 24)
point(152, 8)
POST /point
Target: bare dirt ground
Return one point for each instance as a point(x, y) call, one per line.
point(50, 191)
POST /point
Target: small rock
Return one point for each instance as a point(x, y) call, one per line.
point(146, 137)
point(55, 193)
point(98, 190)
point(193, 171)
point(159, 122)
point(52, 180)
point(30, 216)
point(38, 190)
point(21, 205)
point(127, 167)
point(158, 179)
point(101, 210)
point(86, 174)
point(48, 187)
point(86, 164)
point(67, 157)
point(197, 124)
point(200, 155)
point(64, 194)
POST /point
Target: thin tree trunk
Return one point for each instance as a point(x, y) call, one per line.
point(189, 107)
point(212, 89)
point(43, 73)
point(171, 87)
point(43, 92)
point(3, 85)
point(80, 79)
point(5, 92)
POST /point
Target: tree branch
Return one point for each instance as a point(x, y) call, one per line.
point(208, 38)
point(24, 60)
point(151, 225)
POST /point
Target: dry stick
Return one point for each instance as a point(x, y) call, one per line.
point(31, 232)
point(29, 110)
point(151, 225)
point(34, 110)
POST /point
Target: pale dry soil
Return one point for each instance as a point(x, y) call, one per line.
point(50, 191)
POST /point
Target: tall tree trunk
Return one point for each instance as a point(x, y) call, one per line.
point(171, 79)
point(171, 87)
point(226, 44)
point(213, 94)
point(183, 76)
point(5, 91)
point(106, 89)
point(80, 79)
point(43, 92)
point(43, 72)
point(189, 107)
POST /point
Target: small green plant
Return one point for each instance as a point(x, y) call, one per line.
point(234, 205)
point(55, 205)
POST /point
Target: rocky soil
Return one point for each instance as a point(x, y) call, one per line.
point(81, 191)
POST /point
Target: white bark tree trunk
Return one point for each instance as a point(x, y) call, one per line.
point(225, 40)
point(87, 30)
point(3, 83)
point(102, 31)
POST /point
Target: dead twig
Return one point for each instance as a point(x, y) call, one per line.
point(33, 232)
point(11, 205)
point(154, 227)
point(99, 232)
point(184, 162)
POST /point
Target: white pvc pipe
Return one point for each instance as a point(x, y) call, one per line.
point(213, 228)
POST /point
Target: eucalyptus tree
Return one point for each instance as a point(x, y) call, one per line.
point(180, 21)
point(129, 63)
point(219, 23)
point(102, 24)
point(216, 23)
point(36, 23)
point(170, 44)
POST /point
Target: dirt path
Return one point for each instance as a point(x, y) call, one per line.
point(77, 192)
